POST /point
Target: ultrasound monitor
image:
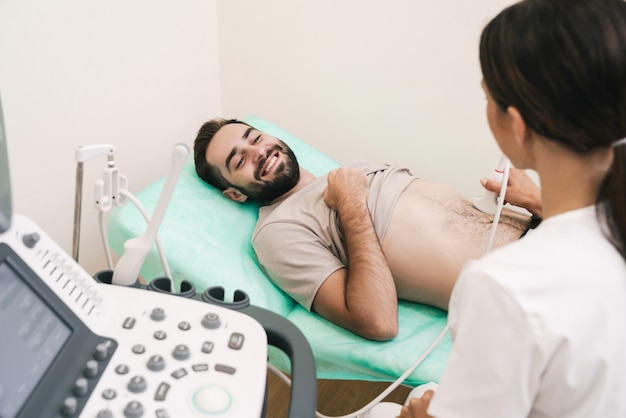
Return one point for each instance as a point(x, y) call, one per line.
point(44, 344)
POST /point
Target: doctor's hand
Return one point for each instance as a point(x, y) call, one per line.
point(346, 187)
point(417, 407)
point(520, 191)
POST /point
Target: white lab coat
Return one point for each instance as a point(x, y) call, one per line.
point(539, 328)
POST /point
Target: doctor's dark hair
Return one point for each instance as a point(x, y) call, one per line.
point(205, 171)
point(562, 65)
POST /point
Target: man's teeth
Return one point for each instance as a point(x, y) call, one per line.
point(270, 165)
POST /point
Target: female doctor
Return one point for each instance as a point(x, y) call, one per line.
point(539, 326)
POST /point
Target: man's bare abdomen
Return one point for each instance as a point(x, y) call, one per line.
point(433, 232)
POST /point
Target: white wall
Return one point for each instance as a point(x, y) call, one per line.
point(394, 81)
point(141, 75)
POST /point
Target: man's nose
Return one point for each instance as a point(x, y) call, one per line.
point(256, 152)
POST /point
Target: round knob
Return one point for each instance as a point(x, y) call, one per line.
point(137, 384)
point(156, 363)
point(91, 369)
point(102, 351)
point(69, 407)
point(158, 314)
point(211, 321)
point(181, 352)
point(109, 394)
point(105, 413)
point(133, 409)
point(81, 386)
point(30, 240)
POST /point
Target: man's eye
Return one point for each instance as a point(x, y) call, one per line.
point(239, 162)
point(257, 139)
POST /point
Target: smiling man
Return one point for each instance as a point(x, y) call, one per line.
point(348, 244)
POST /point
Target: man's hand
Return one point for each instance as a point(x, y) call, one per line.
point(345, 186)
point(417, 406)
point(520, 191)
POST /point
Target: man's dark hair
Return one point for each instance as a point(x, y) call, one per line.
point(207, 172)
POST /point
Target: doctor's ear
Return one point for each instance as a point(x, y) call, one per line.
point(235, 195)
point(520, 129)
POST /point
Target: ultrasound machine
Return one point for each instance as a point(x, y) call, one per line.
point(71, 346)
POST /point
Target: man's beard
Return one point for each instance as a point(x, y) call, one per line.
point(286, 176)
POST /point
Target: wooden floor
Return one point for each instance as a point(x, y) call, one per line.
point(334, 397)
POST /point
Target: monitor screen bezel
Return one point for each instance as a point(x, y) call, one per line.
point(69, 363)
point(5, 179)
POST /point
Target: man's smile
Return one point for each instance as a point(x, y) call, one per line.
point(269, 164)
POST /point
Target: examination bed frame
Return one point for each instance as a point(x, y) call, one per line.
point(206, 239)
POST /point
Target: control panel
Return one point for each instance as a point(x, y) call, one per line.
point(74, 347)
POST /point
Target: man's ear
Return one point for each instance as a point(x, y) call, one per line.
point(519, 127)
point(235, 195)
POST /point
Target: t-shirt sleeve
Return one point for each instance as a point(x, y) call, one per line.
point(493, 366)
point(295, 259)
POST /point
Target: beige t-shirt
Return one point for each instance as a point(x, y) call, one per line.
point(299, 242)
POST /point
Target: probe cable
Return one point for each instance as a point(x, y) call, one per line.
point(384, 393)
